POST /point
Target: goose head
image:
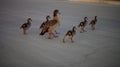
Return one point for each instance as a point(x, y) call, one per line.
point(29, 20)
point(85, 18)
point(74, 28)
point(48, 17)
point(95, 17)
point(55, 12)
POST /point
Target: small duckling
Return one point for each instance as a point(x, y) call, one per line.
point(26, 25)
point(70, 34)
point(83, 24)
point(47, 20)
point(93, 23)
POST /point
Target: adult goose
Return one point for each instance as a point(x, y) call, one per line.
point(51, 25)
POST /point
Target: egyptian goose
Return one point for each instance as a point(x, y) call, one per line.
point(52, 25)
point(93, 23)
point(83, 24)
point(70, 34)
point(55, 17)
point(26, 25)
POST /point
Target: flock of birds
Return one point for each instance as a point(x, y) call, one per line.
point(50, 26)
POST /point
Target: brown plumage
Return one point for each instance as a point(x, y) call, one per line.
point(83, 24)
point(93, 23)
point(26, 25)
point(43, 24)
point(70, 34)
point(51, 25)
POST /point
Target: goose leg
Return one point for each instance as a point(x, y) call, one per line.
point(93, 27)
point(56, 32)
point(82, 29)
point(64, 39)
point(72, 40)
point(54, 35)
point(49, 36)
point(24, 31)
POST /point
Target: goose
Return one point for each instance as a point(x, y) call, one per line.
point(51, 25)
point(26, 25)
point(70, 34)
point(83, 24)
point(93, 23)
point(43, 24)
